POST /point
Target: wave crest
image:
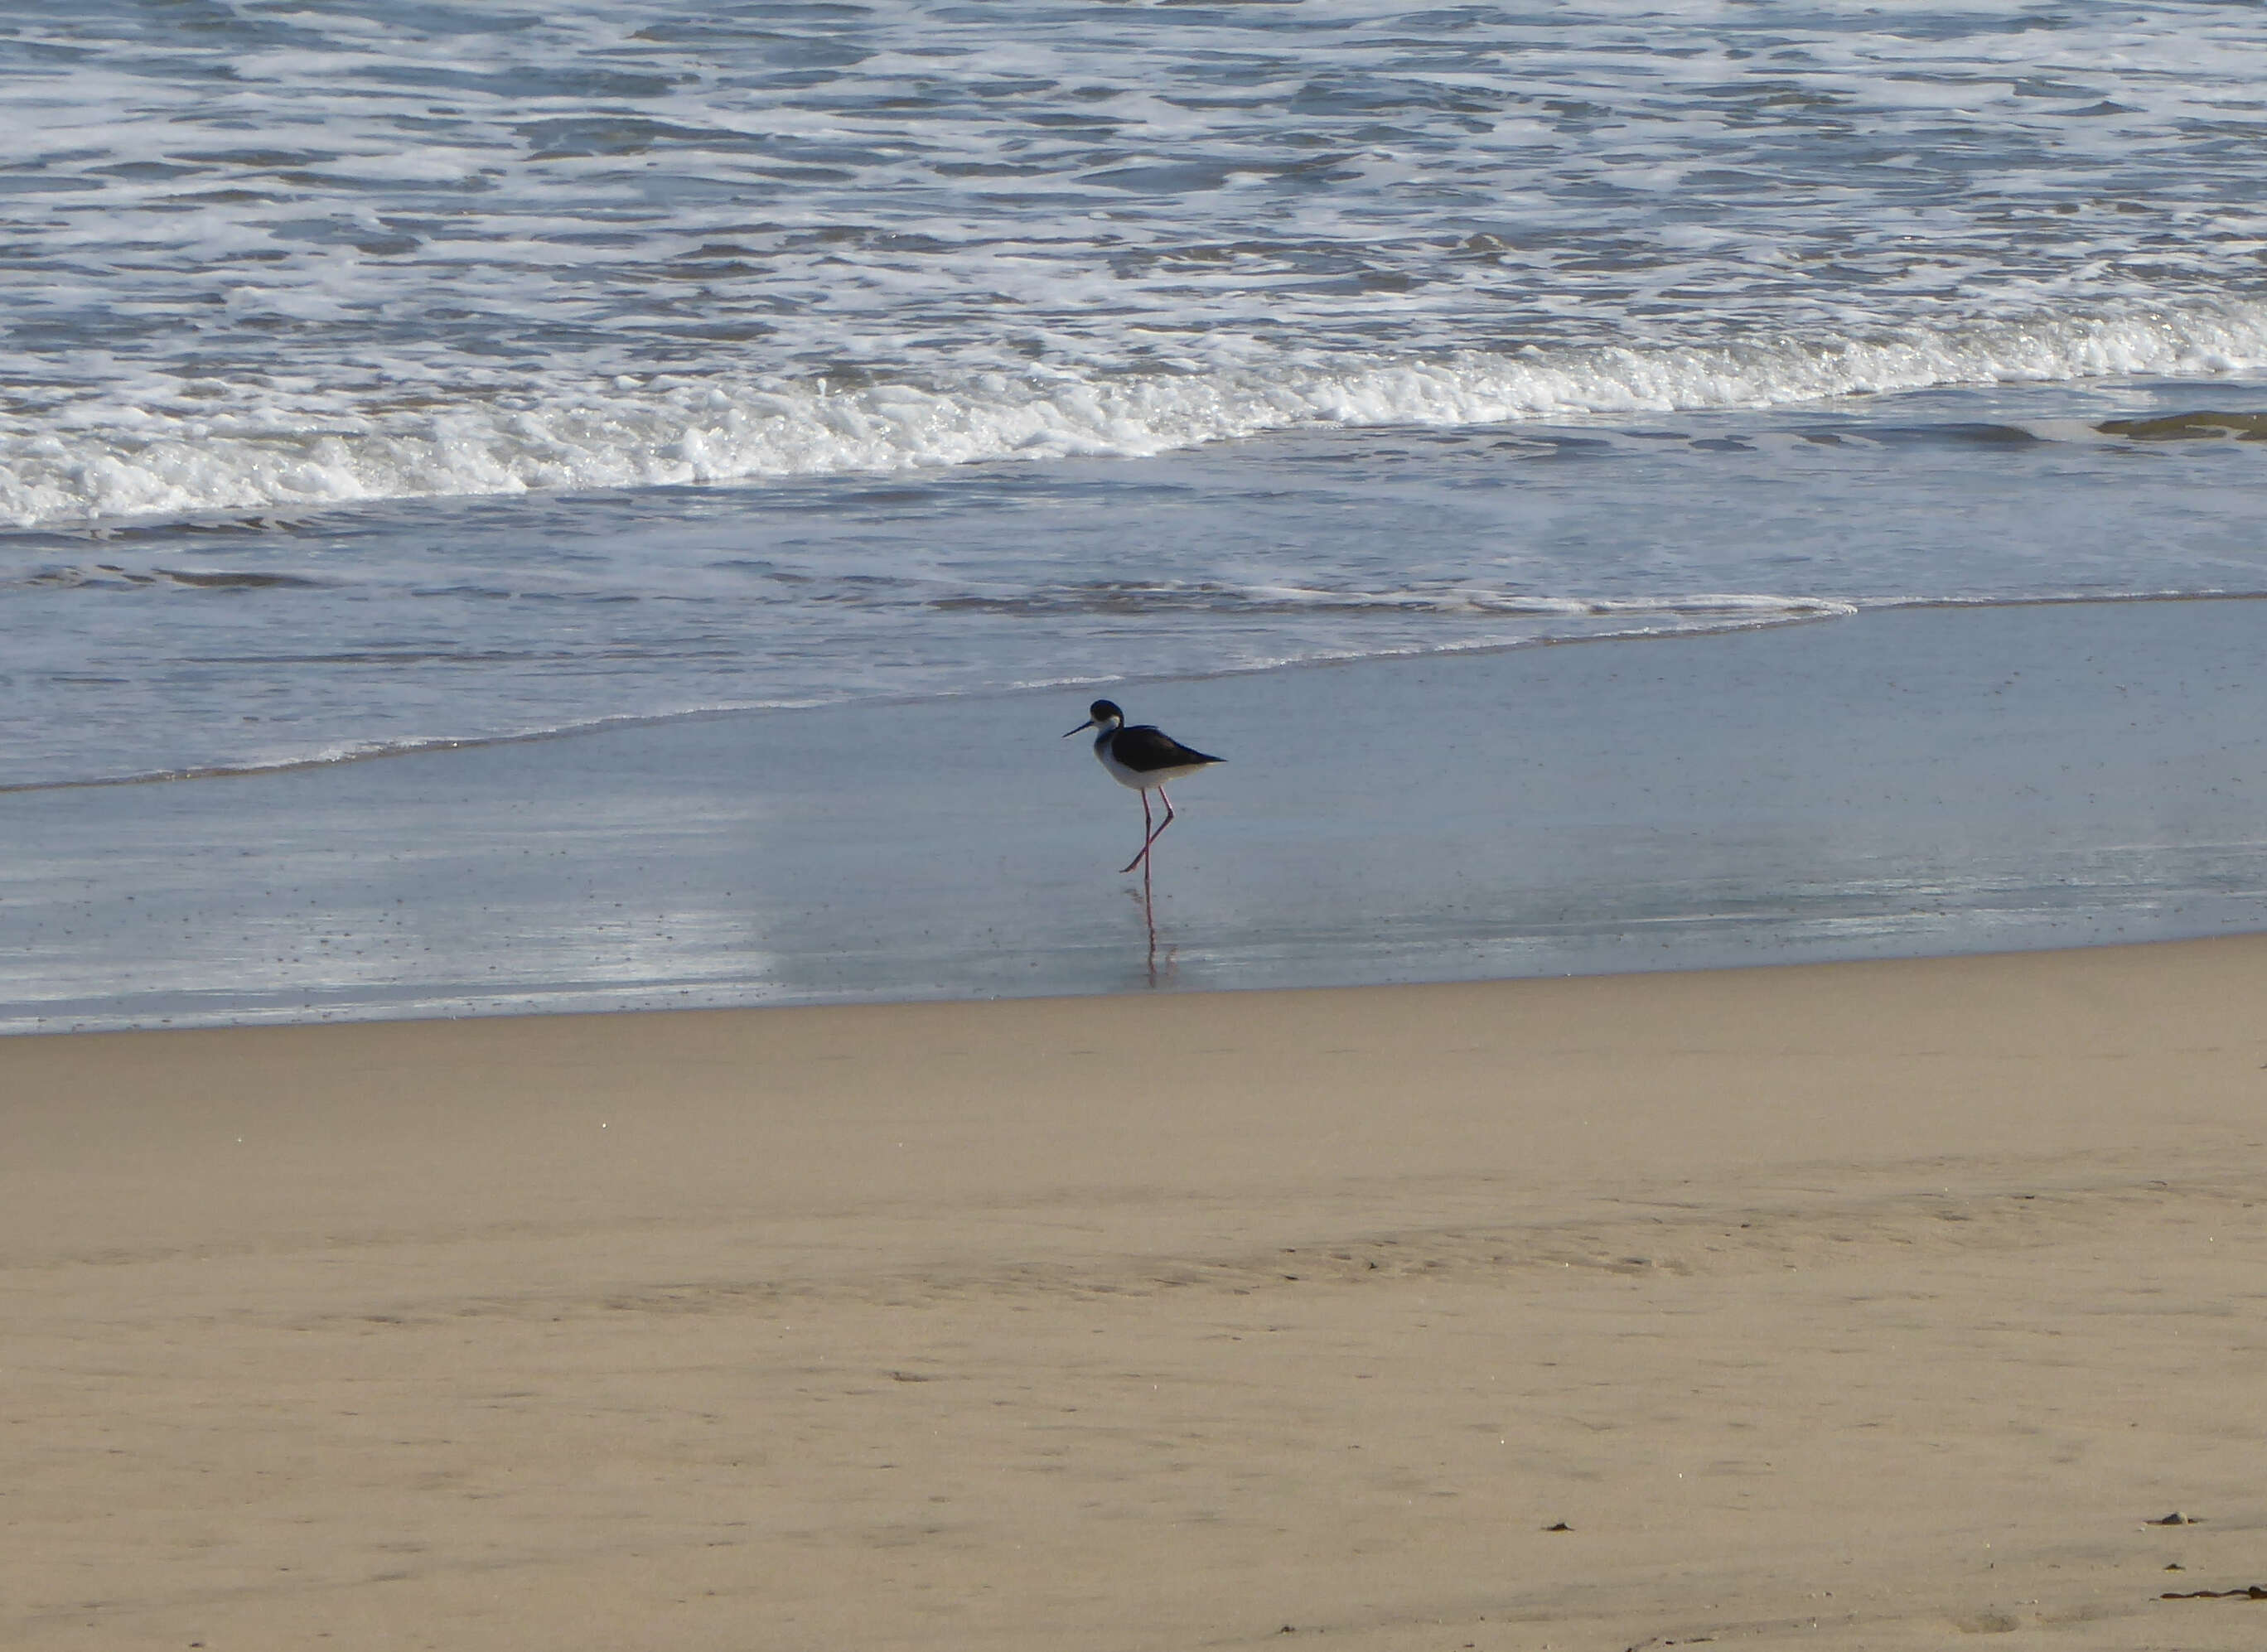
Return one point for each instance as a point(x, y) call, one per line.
point(688, 431)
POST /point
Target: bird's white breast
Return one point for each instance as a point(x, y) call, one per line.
point(1138, 779)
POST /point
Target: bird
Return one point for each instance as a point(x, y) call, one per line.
point(1142, 757)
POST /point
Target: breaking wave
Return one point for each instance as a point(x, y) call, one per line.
point(712, 429)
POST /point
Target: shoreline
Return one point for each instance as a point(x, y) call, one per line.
point(1905, 782)
point(1857, 1304)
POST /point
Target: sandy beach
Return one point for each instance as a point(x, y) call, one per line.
point(1875, 1305)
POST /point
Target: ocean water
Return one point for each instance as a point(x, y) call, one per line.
point(411, 373)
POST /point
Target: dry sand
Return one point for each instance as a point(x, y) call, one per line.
point(1866, 1305)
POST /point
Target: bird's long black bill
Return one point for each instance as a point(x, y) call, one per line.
point(1082, 729)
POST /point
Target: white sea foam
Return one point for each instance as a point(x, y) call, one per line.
point(712, 430)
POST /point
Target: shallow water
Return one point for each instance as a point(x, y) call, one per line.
point(239, 645)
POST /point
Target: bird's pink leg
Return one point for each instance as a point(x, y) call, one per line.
point(1151, 837)
point(1162, 824)
point(1146, 836)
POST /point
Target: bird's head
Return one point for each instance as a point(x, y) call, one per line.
point(1102, 715)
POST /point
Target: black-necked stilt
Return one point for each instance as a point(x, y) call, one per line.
point(1143, 758)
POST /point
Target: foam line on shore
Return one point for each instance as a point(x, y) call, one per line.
point(1701, 616)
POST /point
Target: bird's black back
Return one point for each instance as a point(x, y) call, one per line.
point(1145, 749)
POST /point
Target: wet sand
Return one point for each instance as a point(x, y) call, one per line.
point(1875, 1305)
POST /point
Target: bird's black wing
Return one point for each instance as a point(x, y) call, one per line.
point(1145, 750)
